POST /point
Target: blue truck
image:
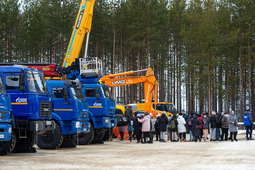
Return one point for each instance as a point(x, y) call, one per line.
point(7, 138)
point(70, 113)
point(102, 108)
point(30, 104)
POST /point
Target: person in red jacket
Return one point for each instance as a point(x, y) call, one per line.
point(201, 130)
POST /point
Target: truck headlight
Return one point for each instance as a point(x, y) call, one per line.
point(77, 125)
point(10, 130)
point(107, 121)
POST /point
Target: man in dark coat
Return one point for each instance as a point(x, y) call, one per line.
point(196, 128)
point(218, 126)
point(163, 124)
point(157, 127)
point(213, 126)
point(137, 128)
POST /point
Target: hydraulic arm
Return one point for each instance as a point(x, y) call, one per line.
point(149, 81)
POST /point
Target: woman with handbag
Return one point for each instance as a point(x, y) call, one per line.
point(232, 125)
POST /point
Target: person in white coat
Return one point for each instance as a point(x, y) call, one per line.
point(181, 128)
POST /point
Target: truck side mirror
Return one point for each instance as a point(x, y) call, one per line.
point(98, 93)
point(66, 93)
point(22, 86)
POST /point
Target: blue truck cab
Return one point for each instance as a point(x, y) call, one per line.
point(70, 111)
point(7, 141)
point(102, 107)
point(30, 104)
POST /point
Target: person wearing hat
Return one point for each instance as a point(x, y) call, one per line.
point(248, 122)
point(163, 125)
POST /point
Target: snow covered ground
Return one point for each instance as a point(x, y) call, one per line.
point(127, 155)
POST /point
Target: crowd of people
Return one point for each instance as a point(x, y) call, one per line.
point(198, 126)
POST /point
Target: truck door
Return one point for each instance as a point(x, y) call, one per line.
point(16, 88)
point(4, 103)
point(94, 99)
point(62, 102)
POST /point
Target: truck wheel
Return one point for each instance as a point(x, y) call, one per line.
point(25, 144)
point(7, 146)
point(108, 134)
point(69, 141)
point(98, 138)
point(52, 139)
point(86, 138)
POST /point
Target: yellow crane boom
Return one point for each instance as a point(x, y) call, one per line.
point(81, 28)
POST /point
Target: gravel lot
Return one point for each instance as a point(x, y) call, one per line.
point(126, 155)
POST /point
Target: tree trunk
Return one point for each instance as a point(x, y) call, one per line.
point(249, 68)
point(209, 88)
point(10, 41)
point(240, 72)
point(220, 90)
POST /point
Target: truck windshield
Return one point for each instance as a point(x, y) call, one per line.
point(2, 89)
point(171, 108)
point(77, 93)
point(106, 92)
point(36, 82)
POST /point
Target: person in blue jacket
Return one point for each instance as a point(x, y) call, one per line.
point(248, 122)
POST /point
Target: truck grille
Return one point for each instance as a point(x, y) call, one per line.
point(45, 109)
point(111, 112)
point(3, 115)
point(84, 115)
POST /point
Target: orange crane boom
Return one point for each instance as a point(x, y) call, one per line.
point(149, 81)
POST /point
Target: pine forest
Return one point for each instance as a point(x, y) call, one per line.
point(202, 51)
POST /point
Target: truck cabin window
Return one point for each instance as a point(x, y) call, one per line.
point(90, 92)
point(2, 89)
point(77, 93)
point(106, 92)
point(12, 82)
point(58, 92)
point(36, 82)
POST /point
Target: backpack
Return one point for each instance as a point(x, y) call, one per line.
point(172, 124)
point(189, 122)
point(218, 122)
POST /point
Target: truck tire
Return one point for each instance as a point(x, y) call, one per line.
point(70, 142)
point(52, 139)
point(86, 138)
point(98, 138)
point(7, 146)
point(25, 144)
point(108, 134)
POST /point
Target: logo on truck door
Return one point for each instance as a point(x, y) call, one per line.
point(21, 100)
